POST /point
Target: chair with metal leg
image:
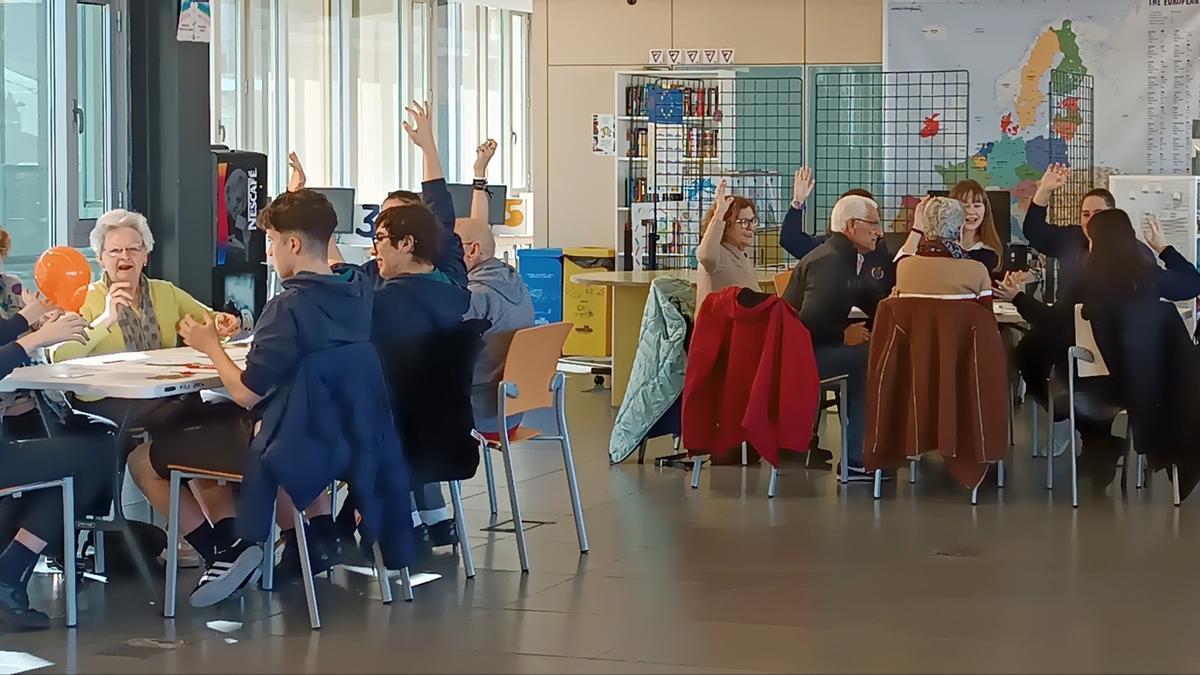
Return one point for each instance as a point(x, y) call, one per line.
point(837, 385)
point(531, 382)
point(67, 484)
point(181, 473)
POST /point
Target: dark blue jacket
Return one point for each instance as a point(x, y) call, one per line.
point(436, 196)
point(875, 279)
point(326, 413)
point(12, 354)
point(1068, 243)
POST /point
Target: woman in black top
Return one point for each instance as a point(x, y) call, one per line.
point(33, 524)
point(1117, 268)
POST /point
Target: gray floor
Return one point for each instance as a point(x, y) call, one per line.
point(718, 580)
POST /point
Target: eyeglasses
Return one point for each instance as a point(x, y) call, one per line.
point(747, 223)
point(873, 223)
point(131, 251)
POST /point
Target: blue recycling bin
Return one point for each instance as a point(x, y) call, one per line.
point(542, 270)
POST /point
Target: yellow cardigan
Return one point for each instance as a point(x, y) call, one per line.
point(171, 304)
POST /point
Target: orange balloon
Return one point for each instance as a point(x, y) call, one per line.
point(76, 301)
point(60, 272)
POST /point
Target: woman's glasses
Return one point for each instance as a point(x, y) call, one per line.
point(128, 250)
point(747, 223)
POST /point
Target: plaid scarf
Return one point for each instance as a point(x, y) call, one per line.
point(940, 248)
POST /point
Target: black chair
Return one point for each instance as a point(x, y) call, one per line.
point(430, 378)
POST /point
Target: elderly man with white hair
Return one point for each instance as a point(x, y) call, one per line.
point(825, 286)
point(941, 268)
point(499, 295)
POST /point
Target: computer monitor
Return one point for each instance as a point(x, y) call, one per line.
point(343, 205)
point(460, 196)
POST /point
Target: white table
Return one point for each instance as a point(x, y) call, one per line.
point(130, 376)
point(141, 376)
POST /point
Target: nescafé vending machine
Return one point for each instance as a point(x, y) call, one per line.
point(239, 247)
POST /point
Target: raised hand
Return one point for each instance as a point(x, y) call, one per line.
point(120, 294)
point(228, 325)
point(200, 335)
point(723, 200)
point(1153, 234)
point(298, 180)
point(1055, 177)
point(483, 156)
point(420, 130)
point(802, 186)
point(66, 327)
point(35, 306)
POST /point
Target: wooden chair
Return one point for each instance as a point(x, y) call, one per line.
point(67, 483)
point(531, 381)
point(782, 279)
point(179, 473)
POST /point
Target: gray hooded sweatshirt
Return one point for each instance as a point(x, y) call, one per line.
point(499, 295)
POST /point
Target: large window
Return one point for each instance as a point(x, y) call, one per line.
point(374, 98)
point(329, 79)
point(309, 50)
point(488, 64)
point(25, 140)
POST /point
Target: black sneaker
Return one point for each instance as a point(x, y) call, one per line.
point(857, 474)
point(16, 612)
point(818, 458)
point(324, 554)
point(233, 570)
point(443, 534)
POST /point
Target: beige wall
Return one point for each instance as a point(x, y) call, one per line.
point(577, 45)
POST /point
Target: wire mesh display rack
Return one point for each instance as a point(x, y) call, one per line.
point(1071, 121)
point(685, 135)
point(897, 134)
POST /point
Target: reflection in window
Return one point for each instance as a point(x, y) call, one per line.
point(309, 83)
point(375, 91)
point(519, 102)
point(91, 110)
point(25, 150)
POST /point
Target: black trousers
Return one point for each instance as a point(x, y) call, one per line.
point(84, 452)
point(1096, 400)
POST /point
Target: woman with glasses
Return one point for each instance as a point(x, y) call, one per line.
point(722, 258)
point(128, 311)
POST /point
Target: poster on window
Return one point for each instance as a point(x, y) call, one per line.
point(195, 21)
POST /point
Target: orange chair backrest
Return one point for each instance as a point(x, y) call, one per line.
point(782, 279)
point(531, 364)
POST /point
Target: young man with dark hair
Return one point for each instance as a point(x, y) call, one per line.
point(420, 280)
point(318, 311)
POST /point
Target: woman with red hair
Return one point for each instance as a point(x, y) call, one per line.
point(721, 257)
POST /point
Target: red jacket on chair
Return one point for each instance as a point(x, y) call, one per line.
point(751, 377)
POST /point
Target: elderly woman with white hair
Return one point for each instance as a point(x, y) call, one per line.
point(126, 310)
point(941, 268)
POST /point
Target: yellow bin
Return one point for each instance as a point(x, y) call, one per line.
point(587, 306)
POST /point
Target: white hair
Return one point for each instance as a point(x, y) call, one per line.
point(848, 208)
point(944, 218)
point(115, 220)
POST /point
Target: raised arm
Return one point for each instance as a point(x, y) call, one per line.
point(435, 194)
point(421, 133)
point(792, 236)
point(1180, 280)
point(480, 199)
point(1052, 240)
point(708, 252)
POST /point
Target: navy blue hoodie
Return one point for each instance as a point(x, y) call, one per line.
point(326, 412)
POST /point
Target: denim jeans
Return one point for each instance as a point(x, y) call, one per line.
point(835, 360)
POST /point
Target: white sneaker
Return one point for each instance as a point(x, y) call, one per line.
point(188, 558)
point(1060, 436)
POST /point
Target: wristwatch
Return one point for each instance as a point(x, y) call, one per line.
point(799, 207)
